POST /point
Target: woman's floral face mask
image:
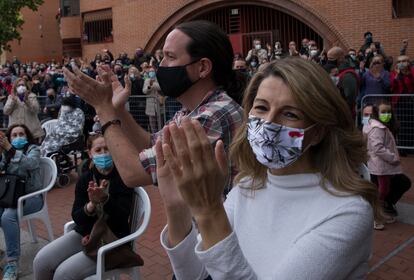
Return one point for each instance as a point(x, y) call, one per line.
point(275, 146)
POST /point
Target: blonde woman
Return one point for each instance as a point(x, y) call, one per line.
point(298, 210)
point(22, 107)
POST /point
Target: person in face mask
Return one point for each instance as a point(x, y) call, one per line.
point(53, 103)
point(154, 100)
point(353, 59)
point(368, 40)
point(119, 73)
point(137, 82)
point(196, 70)
point(278, 52)
point(22, 107)
point(348, 79)
point(256, 51)
point(402, 82)
point(139, 58)
point(253, 66)
point(384, 159)
point(100, 186)
point(376, 80)
point(366, 114)
point(287, 152)
point(240, 65)
point(20, 156)
point(69, 126)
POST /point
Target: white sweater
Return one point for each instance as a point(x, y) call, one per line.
point(291, 229)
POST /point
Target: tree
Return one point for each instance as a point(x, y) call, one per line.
point(11, 20)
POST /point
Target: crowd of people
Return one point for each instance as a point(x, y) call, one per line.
point(278, 178)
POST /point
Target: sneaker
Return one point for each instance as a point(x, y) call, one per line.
point(10, 271)
point(390, 220)
point(378, 226)
point(390, 209)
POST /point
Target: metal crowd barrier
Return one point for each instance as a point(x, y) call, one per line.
point(403, 108)
point(157, 116)
point(144, 116)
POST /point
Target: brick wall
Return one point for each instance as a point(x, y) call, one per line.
point(40, 35)
point(354, 18)
point(70, 27)
point(134, 22)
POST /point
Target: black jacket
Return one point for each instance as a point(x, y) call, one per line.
point(118, 206)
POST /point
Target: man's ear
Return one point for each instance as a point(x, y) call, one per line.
point(206, 67)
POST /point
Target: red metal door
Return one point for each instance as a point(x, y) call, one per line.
point(236, 42)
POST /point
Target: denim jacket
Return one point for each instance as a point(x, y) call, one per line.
point(27, 165)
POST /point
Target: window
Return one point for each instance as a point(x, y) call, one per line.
point(69, 8)
point(402, 8)
point(97, 26)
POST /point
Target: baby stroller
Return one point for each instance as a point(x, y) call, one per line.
point(67, 157)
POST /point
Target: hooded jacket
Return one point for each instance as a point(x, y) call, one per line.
point(382, 149)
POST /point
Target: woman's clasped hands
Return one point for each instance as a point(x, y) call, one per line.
point(198, 172)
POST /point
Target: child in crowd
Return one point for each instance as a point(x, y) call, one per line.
point(384, 160)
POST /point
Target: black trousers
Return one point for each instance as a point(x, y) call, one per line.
point(400, 183)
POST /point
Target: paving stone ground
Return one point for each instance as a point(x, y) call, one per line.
point(393, 255)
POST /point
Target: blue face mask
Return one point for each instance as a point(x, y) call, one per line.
point(103, 161)
point(365, 120)
point(19, 142)
point(151, 74)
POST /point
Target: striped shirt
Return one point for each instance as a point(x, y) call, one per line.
point(217, 113)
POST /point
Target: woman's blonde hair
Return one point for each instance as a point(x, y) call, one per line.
point(342, 149)
point(26, 83)
point(134, 70)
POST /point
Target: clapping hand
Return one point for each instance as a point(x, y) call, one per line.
point(198, 172)
point(104, 93)
point(97, 194)
point(4, 143)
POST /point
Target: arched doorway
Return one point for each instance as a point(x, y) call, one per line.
point(246, 22)
point(270, 20)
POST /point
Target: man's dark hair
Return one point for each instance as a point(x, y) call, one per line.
point(367, 33)
point(209, 41)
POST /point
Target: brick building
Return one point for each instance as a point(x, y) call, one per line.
point(88, 26)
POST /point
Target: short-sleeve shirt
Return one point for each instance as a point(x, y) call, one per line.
point(219, 115)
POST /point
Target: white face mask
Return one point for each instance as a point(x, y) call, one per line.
point(65, 108)
point(21, 90)
point(275, 146)
point(313, 53)
point(258, 47)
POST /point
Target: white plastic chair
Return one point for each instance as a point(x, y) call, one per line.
point(364, 172)
point(48, 172)
point(139, 222)
point(49, 125)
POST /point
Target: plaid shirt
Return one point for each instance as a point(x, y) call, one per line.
point(217, 113)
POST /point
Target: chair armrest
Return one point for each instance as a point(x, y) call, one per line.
point(100, 269)
point(25, 197)
point(68, 227)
